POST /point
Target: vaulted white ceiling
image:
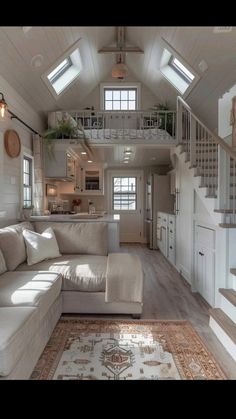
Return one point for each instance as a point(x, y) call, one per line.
point(194, 44)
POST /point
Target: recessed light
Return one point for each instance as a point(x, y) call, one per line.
point(37, 61)
point(83, 152)
point(128, 152)
point(90, 161)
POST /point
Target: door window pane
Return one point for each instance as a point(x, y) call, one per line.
point(124, 193)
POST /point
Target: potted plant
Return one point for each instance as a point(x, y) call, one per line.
point(64, 130)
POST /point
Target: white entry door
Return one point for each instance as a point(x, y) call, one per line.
point(125, 197)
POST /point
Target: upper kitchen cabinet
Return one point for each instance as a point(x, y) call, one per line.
point(60, 165)
point(90, 179)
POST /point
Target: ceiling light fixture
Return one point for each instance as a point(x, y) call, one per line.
point(119, 71)
point(37, 61)
point(90, 161)
point(83, 152)
point(128, 152)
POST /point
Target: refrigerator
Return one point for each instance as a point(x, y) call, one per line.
point(158, 198)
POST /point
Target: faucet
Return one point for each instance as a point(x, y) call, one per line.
point(89, 205)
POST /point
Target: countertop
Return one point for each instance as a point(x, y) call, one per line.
point(114, 218)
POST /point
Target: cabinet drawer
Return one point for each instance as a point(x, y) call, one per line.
point(171, 253)
point(171, 231)
point(171, 221)
point(164, 220)
point(171, 242)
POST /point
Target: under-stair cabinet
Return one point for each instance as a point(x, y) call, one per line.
point(205, 262)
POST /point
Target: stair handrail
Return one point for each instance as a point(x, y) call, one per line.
point(216, 137)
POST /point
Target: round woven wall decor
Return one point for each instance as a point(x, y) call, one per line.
point(12, 143)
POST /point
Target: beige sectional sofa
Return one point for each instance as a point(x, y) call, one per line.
point(85, 279)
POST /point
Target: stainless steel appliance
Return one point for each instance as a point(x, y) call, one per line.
point(158, 198)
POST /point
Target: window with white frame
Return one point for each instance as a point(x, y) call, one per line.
point(124, 193)
point(64, 72)
point(27, 181)
point(123, 99)
point(177, 71)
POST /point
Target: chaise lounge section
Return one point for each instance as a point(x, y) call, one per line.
point(86, 278)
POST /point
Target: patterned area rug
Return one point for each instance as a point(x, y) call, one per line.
point(125, 350)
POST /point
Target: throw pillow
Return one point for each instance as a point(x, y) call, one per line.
point(3, 267)
point(40, 246)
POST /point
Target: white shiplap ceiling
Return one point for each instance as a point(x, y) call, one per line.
point(194, 44)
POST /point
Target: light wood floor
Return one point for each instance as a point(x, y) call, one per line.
point(168, 296)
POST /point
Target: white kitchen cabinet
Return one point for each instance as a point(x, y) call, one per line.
point(166, 235)
point(89, 180)
point(205, 262)
point(59, 165)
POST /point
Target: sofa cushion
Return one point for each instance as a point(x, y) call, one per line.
point(17, 326)
point(36, 289)
point(3, 267)
point(79, 272)
point(79, 238)
point(12, 244)
point(40, 246)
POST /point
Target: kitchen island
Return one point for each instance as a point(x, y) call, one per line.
point(113, 222)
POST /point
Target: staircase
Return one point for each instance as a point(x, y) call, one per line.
point(213, 164)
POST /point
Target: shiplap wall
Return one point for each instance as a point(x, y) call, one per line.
point(147, 100)
point(11, 168)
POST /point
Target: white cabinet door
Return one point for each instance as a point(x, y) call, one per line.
point(205, 263)
point(89, 180)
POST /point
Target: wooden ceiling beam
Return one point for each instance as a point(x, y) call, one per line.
point(115, 50)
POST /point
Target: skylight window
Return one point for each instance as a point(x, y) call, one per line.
point(65, 71)
point(181, 70)
point(59, 70)
point(177, 71)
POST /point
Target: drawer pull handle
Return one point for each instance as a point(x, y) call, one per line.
point(201, 254)
point(171, 231)
point(170, 247)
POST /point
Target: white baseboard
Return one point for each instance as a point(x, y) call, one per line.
point(185, 273)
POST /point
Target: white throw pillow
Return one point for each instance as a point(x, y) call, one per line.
point(40, 246)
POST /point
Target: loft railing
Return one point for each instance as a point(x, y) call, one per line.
point(132, 124)
point(213, 158)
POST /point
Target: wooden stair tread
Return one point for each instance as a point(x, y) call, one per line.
point(227, 225)
point(229, 294)
point(233, 271)
point(225, 211)
point(225, 322)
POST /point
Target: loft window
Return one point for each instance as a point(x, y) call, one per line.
point(59, 70)
point(124, 193)
point(181, 70)
point(27, 182)
point(64, 72)
point(120, 99)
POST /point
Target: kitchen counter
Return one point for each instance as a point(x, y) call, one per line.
point(114, 218)
point(113, 223)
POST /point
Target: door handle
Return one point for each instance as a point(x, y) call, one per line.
point(201, 254)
